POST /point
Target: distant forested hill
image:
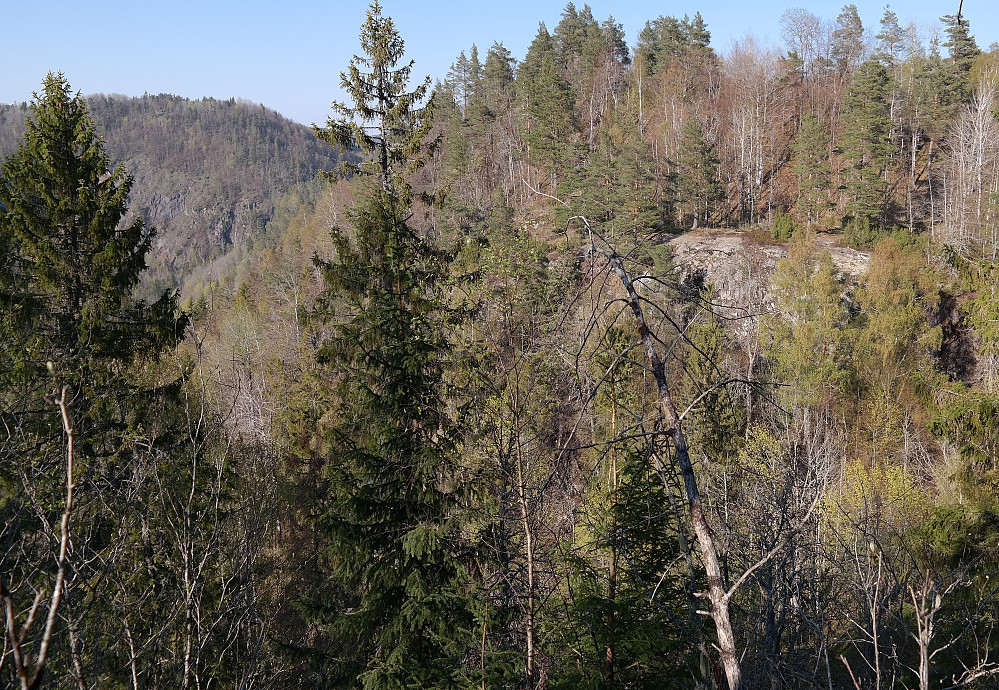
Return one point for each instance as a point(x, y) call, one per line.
point(207, 172)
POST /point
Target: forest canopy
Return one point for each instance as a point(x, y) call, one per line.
point(605, 366)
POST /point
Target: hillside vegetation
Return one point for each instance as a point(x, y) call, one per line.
point(208, 173)
point(607, 366)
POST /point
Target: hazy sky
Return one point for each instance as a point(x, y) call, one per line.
point(288, 55)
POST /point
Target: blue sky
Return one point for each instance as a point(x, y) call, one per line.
point(288, 55)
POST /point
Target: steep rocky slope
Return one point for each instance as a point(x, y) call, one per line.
point(740, 265)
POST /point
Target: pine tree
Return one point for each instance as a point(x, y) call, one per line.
point(547, 101)
point(666, 39)
point(848, 39)
point(960, 43)
point(498, 83)
point(571, 35)
point(890, 41)
point(459, 80)
point(616, 189)
point(392, 519)
point(866, 146)
point(697, 186)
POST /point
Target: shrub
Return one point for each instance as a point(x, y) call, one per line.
point(783, 226)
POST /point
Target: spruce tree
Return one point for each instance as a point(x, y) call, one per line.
point(385, 121)
point(547, 101)
point(70, 269)
point(963, 50)
point(72, 264)
point(811, 152)
point(71, 323)
point(392, 518)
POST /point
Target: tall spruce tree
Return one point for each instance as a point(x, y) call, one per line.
point(811, 153)
point(392, 519)
point(547, 102)
point(70, 323)
point(385, 120)
point(962, 49)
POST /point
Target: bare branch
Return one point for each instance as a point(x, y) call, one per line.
point(30, 680)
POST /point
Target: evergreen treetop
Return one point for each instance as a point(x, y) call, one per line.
point(73, 262)
point(848, 39)
point(378, 85)
point(866, 146)
point(890, 40)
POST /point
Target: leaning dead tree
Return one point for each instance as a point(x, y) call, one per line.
point(718, 595)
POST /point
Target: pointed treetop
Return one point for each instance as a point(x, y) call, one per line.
point(385, 119)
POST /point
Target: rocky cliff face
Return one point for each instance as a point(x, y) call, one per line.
point(741, 267)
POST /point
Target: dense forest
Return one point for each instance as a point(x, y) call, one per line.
point(608, 367)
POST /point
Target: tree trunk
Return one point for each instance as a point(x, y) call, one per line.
point(716, 594)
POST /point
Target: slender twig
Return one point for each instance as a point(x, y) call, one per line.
point(28, 679)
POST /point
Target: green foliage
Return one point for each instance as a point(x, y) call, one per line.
point(696, 185)
point(547, 99)
point(75, 265)
point(616, 190)
point(890, 41)
point(971, 423)
point(810, 345)
point(665, 39)
point(847, 39)
point(392, 517)
point(630, 623)
point(960, 44)
point(377, 85)
point(857, 232)
point(959, 534)
point(983, 315)
point(497, 79)
point(894, 336)
point(714, 426)
point(68, 278)
point(866, 146)
point(783, 226)
point(458, 474)
point(811, 152)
